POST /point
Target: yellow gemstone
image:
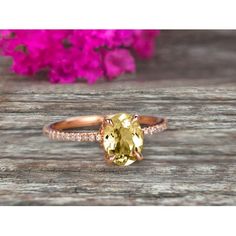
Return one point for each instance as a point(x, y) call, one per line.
point(122, 138)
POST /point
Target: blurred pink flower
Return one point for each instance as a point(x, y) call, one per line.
point(70, 54)
point(117, 62)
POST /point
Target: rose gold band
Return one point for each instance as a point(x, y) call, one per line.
point(57, 130)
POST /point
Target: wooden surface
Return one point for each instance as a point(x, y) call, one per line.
point(191, 81)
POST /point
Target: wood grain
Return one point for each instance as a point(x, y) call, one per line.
point(191, 81)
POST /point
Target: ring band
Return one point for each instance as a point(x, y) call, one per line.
point(121, 134)
point(55, 130)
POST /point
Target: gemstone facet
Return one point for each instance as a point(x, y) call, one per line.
point(122, 139)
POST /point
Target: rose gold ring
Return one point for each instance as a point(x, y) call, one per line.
point(121, 135)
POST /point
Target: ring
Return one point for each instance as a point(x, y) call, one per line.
point(120, 135)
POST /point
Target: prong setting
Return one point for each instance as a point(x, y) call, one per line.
point(109, 159)
point(135, 118)
point(108, 122)
point(138, 155)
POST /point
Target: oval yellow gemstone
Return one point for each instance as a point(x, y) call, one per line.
point(122, 138)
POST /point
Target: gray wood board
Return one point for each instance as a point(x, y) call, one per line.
point(192, 163)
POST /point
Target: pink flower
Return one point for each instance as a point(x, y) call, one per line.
point(118, 62)
point(144, 43)
point(67, 55)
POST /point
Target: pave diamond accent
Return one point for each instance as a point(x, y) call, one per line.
point(154, 129)
point(72, 136)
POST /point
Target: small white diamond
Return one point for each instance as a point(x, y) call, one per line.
point(85, 137)
point(145, 131)
point(91, 138)
point(72, 137)
point(67, 136)
point(98, 138)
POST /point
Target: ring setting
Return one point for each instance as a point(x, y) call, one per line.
point(122, 139)
point(121, 135)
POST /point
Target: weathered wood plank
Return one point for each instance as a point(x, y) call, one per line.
point(192, 163)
